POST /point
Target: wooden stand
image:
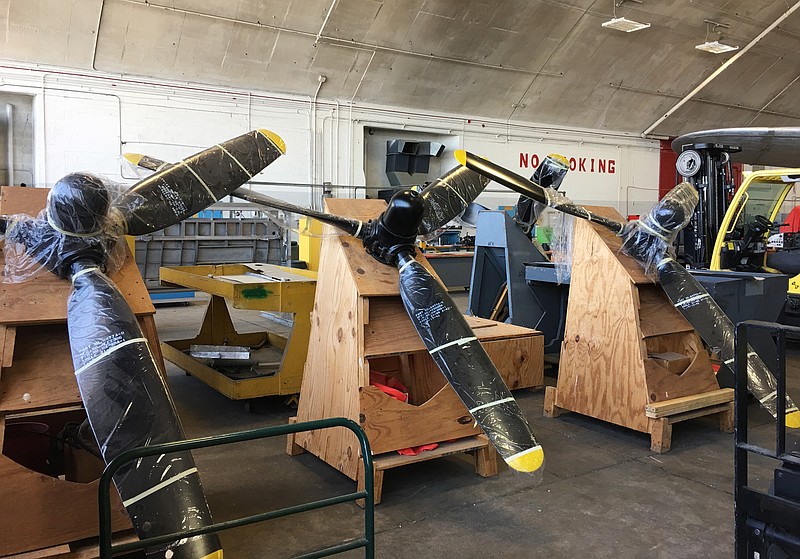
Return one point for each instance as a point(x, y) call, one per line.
point(37, 384)
point(359, 324)
point(627, 348)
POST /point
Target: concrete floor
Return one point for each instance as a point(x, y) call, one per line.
point(603, 494)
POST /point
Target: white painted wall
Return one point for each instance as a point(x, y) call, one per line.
point(86, 121)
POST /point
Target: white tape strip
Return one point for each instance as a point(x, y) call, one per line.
point(248, 173)
point(84, 271)
point(404, 266)
point(769, 396)
point(158, 487)
point(358, 231)
point(110, 351)
point(652, 231)
point(690, 300)
point(70, 233)
point(662, 262)
point(460, 341)
point(491, 404)
point(199, 179)
point(523, 453)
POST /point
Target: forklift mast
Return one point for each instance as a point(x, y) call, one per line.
point(707, 166)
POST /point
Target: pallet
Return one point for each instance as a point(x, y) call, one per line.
point(359, 324)
point(485, 459)
point(666, 414)
point(625, 345)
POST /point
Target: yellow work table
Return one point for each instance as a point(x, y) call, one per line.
point(263, 287)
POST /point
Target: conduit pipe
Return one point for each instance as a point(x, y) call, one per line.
point(10, 140)
point(722, 68)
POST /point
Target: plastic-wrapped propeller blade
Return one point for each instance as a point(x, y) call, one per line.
point(128, 406)
point(466, 366)
point(145, 161)
point(448, 196)
point(189, 186)
point(350, 226)
point(717, 330)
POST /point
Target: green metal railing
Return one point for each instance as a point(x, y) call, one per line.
point(367, 541)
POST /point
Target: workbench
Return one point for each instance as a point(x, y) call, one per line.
point(263, 287)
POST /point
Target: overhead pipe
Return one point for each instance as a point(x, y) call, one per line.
point(722, 68)
point(10, 141)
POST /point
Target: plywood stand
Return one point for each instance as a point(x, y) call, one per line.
point(37, 386)
point(628, 356)
point(359, 324)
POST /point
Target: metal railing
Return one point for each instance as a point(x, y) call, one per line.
point(107, 550)
point(760, 516)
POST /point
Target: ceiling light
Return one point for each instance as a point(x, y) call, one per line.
point(716, 47)
point(626, 25)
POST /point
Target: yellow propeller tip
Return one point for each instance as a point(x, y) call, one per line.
point(560, 158)
point(461, 156)
point(793, 420)
point(133, 157)
point(275, 139)
point(214, 555)
point(527, 461)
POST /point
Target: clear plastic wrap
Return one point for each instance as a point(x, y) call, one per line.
point(649, 240)
point(449, 196)
point(78, 222)
point(549, 174)
point(563, 226)
point(467, 367)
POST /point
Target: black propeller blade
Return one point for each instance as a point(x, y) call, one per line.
point(469, 370)
point(128, 406)
point(183, 189)
point(648, 241)
point(125, 397)
point(349, 226)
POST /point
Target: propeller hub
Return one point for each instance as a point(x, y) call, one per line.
point(78, 204)
point(396, 229)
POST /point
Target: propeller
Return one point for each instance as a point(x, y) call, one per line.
point(549, 173)
point(648, 241)
point(452, 344)
point(126, 399)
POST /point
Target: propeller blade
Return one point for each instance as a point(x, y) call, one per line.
point(448, 196)
point(683, 290)
point(128, 406)
point(518, 183)
point(466, 366)
point(145, 161)
point(350, 226)
point(717, 330)
point(189, 186)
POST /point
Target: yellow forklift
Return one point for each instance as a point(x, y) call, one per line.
point(759, 232)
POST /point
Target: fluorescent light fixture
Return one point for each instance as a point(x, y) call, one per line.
point(716, 47)
point(626, 25)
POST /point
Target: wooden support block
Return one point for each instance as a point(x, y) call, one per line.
point(660, 435)
point(550, 408)
point(726, 424)
point(486, 461)
point(292, 448)
point(689, 403)
point(8, 335)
